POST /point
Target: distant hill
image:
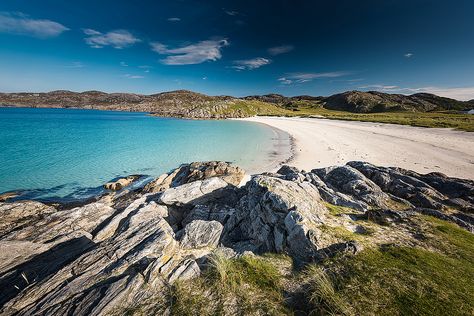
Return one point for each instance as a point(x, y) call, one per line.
point(366, 102)
point(180, 103)
point(188, 104)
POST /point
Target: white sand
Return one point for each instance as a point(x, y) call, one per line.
point(322, 143)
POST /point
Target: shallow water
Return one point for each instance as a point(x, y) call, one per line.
point(68, 153)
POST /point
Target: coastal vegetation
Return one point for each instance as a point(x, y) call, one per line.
point(430, 279)
point(425, 110)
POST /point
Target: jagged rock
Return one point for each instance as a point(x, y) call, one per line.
point(121, 183)
point(128, 246)
point(387, 216)
point(412, 187)
point(199, 233)
point(349, 180)
point(339, 249)
point(21, 214)
point(94, 279)
point(232, 175)
point(450, 218)
point(196, 192)
point(189, 269)
point(331, 196)
point(277, 215)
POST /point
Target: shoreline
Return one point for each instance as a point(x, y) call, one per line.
point(321, 143)
point(283, 151)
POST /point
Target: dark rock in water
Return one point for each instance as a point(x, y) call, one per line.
point(121, 183)
point(101, 256)
point(4, 197)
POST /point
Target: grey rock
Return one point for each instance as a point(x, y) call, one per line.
point(195, 193)
point(187, 270)
point(195, 171)
point(199, 234)
point(277, 215)
point(349, 180)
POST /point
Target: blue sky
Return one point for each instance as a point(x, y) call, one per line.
point(238, 47)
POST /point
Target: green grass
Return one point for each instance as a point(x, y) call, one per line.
point(390, 280)
point(244, 286)
point(410, 281)
point(422, 119)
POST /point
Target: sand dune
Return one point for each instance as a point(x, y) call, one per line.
point(322, 142)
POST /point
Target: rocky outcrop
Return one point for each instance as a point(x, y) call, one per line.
point(121, 183)
point(126, 247)
point(197, 171)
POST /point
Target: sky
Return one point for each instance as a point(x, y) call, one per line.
point(238, 47)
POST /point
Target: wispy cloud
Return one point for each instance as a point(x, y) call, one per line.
point(408, 55)
point(123, 64)
point(380, 87)
point(174, 19)
point(250, 64)
point(278, 50)
point(305, 77)
point(231, 12)
point(117, 39)
point(129, 76)
point(209, 50)
point(19, 23)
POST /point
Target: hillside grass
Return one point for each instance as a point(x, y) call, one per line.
point(444, 119)
point(388, 280)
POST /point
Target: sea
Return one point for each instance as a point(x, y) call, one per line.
point(68, 154)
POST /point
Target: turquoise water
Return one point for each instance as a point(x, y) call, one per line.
point(67, 153)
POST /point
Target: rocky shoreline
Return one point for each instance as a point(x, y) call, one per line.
point(128, 246)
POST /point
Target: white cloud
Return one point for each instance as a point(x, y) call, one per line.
point(463, 94)
point(129, 76)
point(231, 12)
point(250, 64)
point(408, 55)
point(204, 78)
point(191, 54)
point(285, 81)
point(305, 77)
point(174, 19)
point(277, 50)
point(380, 87)
point(21, 24)
point(123, 64)
point(117, 39)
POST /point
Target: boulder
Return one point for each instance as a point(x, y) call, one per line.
point(277, 215)
point(121, 183)
point(195, 171)
point(350, 181)
point(196, 192)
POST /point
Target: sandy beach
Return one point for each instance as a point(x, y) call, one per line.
point(322, 143)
